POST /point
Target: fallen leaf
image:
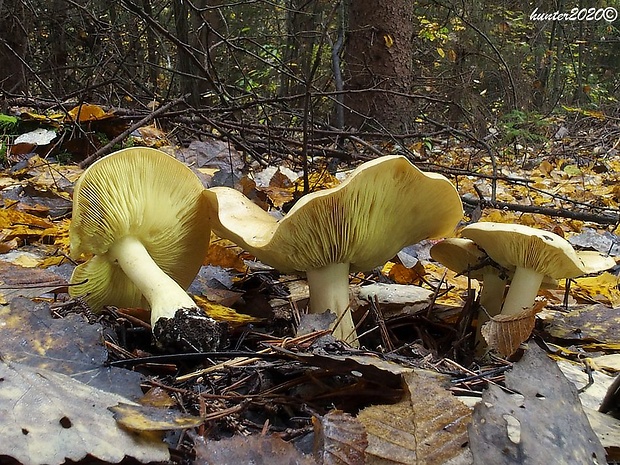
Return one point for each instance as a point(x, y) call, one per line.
point(223, 313)
point(69, 345)
point(88, 112)
point(395, 299)
point(428, 427)
point(147, 418)
point(258, 450)
point(19, 224)
point(590, 323)
point(505, 333)
point(602, 288)
point(18, 281)
point(49, 418)
point(227, 255)
point(544, 424)
point(340, 439)
point(39, 136)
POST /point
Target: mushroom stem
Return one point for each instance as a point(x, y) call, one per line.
point(523, 291)
point(163, 293)
point(329, 290)
point(491, 296)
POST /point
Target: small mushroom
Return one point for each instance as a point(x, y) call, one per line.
point(140, 215)
point(534, 254)
point(463, 256)
point(384, 205)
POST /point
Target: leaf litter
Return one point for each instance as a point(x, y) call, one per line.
point(274, 392)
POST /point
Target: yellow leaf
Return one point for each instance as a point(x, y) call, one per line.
point(19, 224)
point(441, 53)
point(222, 313)
point(227, 255)
point(389, 40)
point(88, 112)
point(602, 288)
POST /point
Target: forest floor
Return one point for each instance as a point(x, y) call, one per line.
point(94, 388)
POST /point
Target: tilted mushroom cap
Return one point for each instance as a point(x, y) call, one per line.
point(515, 245)
point(145, 194)
point(384, 205)
point(461, 256)
point(594, 262)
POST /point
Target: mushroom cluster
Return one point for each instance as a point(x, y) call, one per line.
point(522, 257)
point(140, 219)
point(384, 205)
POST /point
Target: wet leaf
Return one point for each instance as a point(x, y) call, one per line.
point(258, 450)
point(591, 323)
point(18, 281)
point(48, 418)
point(545, 424)
point(69, 345)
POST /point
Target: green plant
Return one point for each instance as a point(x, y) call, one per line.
point(519, 126)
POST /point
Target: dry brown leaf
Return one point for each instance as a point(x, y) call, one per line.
point(505, 333)
point(428, 427)
point(255, 449)
point(340, 439)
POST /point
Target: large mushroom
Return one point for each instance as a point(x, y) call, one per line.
point(139, 217)
point(384, 205)
point(534, 254)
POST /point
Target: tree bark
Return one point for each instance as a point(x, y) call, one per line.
point(378, 58)
point(13, 23)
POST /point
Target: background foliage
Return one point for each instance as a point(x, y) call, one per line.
point(276, 61)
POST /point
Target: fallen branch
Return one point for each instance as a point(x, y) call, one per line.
point(548, 211)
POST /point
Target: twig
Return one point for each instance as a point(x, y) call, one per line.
point(575, 215)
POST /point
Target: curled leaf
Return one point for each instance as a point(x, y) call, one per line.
point(505, 333)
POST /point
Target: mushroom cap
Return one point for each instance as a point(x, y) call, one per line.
point(140, 192)
point(384, 205)
point(595, 262)
point(459, 255)
point(515, 245)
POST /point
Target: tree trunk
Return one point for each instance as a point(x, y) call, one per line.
point(302, 22)
point(12, 71)
point(378, 58)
